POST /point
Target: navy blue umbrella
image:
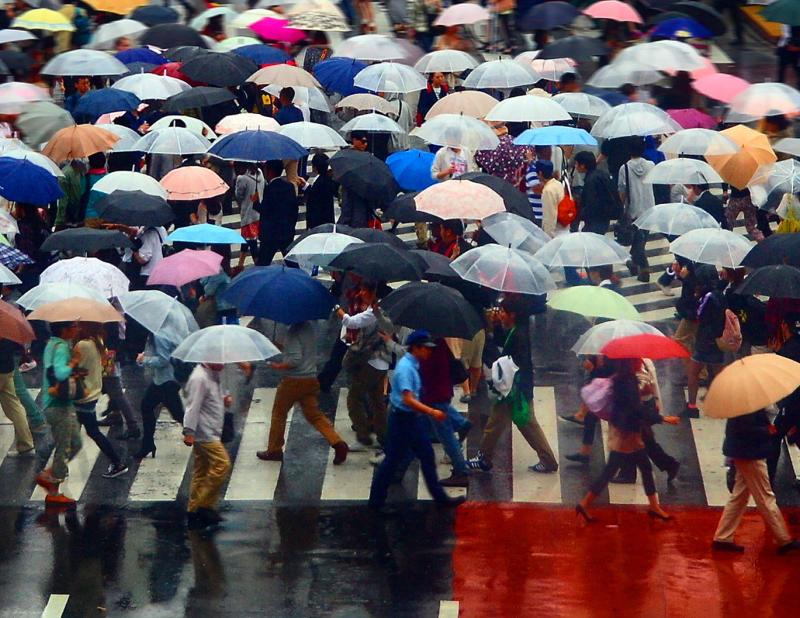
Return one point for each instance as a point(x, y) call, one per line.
point(337, 75)
point(24, 181)
point(154, 15)
point(98, 102)
point(549, 15)
point(140, 54)
point(255, 146)
point(681, 27)
point(285, 295)
point(262, 54)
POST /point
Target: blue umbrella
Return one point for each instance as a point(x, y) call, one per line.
point(412, 169)
point(11, 257)
point(24, 181)
point(286, 295)
point(337, 75)
point(140, 54)
point(154, 15)
point(98, 102)
point(612, 97)
point(262, 54)
point(255, 146)
point(555, 136)
point(681, 27)
point(206, 234)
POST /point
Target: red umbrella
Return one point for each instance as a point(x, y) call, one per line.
point(654, 347)
point(13, 325)
point(173, 69)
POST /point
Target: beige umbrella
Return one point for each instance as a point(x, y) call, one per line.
point(284, 75)
point(470, 103)
point(750, 384)
point(78, 142)
point(367, 103)
point(246, 122)
point(77, 310)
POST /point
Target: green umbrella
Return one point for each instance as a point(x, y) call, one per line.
point(783, 12)
point(594, 302)
point(39, 122)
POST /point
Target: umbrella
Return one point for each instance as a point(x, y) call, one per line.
point(468, 103)
point(225, 344)
point(285, 295)
point(458, 131)
point(193, 182)
point(504, 269)
point(134, 208)
point(40, 120)
point(504, 73)
point(760, 100)
point(364, 174)
point(555, 135)
point(108, 34)
point(459, 199)
point(514, 200)
point(750, 384)
point(549, 15)
point(43, 19)
point(319, 20)
point(370, 47)
point(7, 277)
point(141, 55)
point(184, 267)
point(575, 47)
point(619, 73)
point(775, 249)
point(446, 61)
point(84, 62)
point(12, 144)
point(22, 180)
point(129, 181)
point(284, 75)
point(313, 135)
point(169, 35)
point(13, 324)
point(777, 281)
point(149, 87)
point(256, 146)
point(460, 14)
point(432, 307)
point(663, 56)
point(77, 310)
point(527, 108)
point(372, 123)
point(10, 35)
point(369, 235)
point(338, 74)
point(246, 122)
point(593, 302)
point(11, 257)
point(198, 127)
point(379, 262)
point(314, 98)
point(251, 16)
point(581, 249)
point(738, 169)
point(219, 69)
point(633, 119)
point(184, 53)
point(782, 177)
point(680, 28)
point(37, 159)
point(553, 69)
point(45, 293)
point(613, 10)
point(172, 141)
point(720, 86)
point(201, 96)
point(698, 142)
point(78, 142)
point(438, 266)
point(86, 240)
point(320, 249)
point(703, 14)
point(390, 77)
point(511, 230)
point(154, 15)
point(227, 14)
point(593, 340)
point(712, 246)
point(271, 29)
point(89, 272)
point(159, 313)
point(675, 219)
point(16, 96)
point(645, 345)
point(403, 209)
point(411, 169)
point(206, 234)
point(683, 171)
point(782, 12)
point(788, 145)
point(98, 102)
point(692, 119)
point(261, 54)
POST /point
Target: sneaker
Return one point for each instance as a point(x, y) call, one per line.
point(466, 398)
point(692, 411)
point(479, 463)
point(377, 458)
point(643, 276)
point(666, 290)
point(542, 469)
point(365, 440)
point(578, 458)
point(727, 546)
point(115, 471)
point(455, 480)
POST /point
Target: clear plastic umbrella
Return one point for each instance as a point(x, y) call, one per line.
point(7, 277)
point(365, 102)
point(148, 86)
point(40, 120)
point(554, 68)
point(663, 56)
point(10, 144)
point(698, 142)
point(320, 249)
point(129, 181)
point(446, 61)
point(675, 219)
point(15, 96)
point(581, 249)
point(304, 95)
point(527, 108)
point(160, 314)
point(712, 246)
point(783, 177)
point(127, 137)
point(37, 159)
point(632, 119)
point(459, 199)
point(45, 293)
point(503, 73)
point(370, 47)
point(12, 35)
point(683, 171)
point(760, 100)
point(374, 123)
point(390, 77)
point(616, 74)
point(788, 145)
point(313, 135)
point(195, 125)
point(89, 272)
point(108, 34)
point(459, 131)
point(172, 141)
point(511, 230)
point(246, 122)
point(582, 105)
point(504, 269)
point(225, 344)
point(594, 339)
point(84, 62)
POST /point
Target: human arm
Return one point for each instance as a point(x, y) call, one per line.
point(160, 355)
point(549, 211)
point(413, 403)
point(359, 321)
point(195, 392)
point(63, 361)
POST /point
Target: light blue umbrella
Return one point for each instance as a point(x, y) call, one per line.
point(162, 315)
point(206, 234)
point(555, 136)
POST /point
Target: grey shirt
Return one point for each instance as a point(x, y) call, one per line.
point(205, 409)
point(300, 351)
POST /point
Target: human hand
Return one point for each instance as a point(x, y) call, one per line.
point(140, 358)
point(672, 420)
point(438, 415)
point(227, 401)
point(188, 440)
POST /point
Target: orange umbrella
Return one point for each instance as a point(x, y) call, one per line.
point(118, 7)
point(737, 169)
point(470, 103)
point(76, 310)
point(13, 325)
point(79, 141)
point(193, 183)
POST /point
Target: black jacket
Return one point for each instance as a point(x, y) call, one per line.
point(427, 99)
point(599, 201)
point(8, 350)
point(319, 201)
point(711, 323)
point(748, 437)
point(713, 206)
point(518, 346)
point(279, 211)
point(790, 407)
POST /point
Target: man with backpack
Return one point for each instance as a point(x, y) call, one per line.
point(598, 203)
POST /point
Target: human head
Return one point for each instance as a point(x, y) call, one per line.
point(568, 83)
point(451, 230)
point(543, 152)
point(600, 273)
point(630, 91)
point(320, 163)
point(97, 160)
point(123, 43)
point(438, 79)
point(776, 123)
point(512, 311)
point(82, 85)
point(544, 169)
point(64, 330)
point(790, 325)
point(419, 344)
point(636, 148)
point(359, 140)
point(273, 169)
point(734, 276)
point(286, 96)
point(585, 161)
point(368, 293)
point(706, 279)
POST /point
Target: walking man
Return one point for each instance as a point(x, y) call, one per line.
point(9, 401)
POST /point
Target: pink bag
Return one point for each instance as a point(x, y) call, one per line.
point(598, 396)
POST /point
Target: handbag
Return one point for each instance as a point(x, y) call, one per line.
point(458, 373)
point(598, 396)
point(567, 207)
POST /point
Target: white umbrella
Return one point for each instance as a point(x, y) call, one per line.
point(284, 75)
point(390, 77)
point(45, 293)
point(788, 145)
point(527, 108)
point(7, 277)
point(663, 56)
point(459, 131)
point(16, 96)
point(199, 22)
point(370, 47)
point(225, 344)
point(320, 249)
point(36, 158)
point(594, 340)
point(554, 68)
point(313, 135)
point(582, 105)
point(632, 119)
point(12, 35)
point(446, 61)
point(501, 74)
point(581, 249)
point(148, 86)
point(375, 123)
point(129, 181)
point(195, 125)
point(616, 74)
point(699, 142)
point(783, 177)
point(683, 171)
point(107, 35)
point(172, 141)
point(712, 246)
point(235, 42)
point(675, 219)
point(84, 62)
point(160, 314)
point(365, 102)
point(760, 100)
point(8, 144)
point(246, 122)
point(510, 230)
point(504, 269)
point(88, 272)
point(303, 95)
point(127, 137)
point(459, 199)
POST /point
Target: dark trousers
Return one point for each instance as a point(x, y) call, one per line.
point(589, 428)
point(662, 460)
point(788, 60)
point(407, 433)
point(167, 394)
point(638, 254)
point(87, 417)
point(269, 247)
point(598, 227)
point(616, 461)
point(762, 222)
point(333, 366)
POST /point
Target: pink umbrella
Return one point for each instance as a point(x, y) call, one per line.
point(192, 183)
point(720, 86)
point(692, 119)
point(459, 199)
point(613, 10)
point(272, 29)
point(184, 267)
point(458, 14)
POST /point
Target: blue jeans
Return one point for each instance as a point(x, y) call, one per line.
point(406, 434)
point(445, 431)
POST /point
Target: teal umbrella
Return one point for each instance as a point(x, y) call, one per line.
point(783, 12)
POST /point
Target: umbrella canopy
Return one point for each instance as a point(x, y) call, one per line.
point(775, 249)
point(149, 87)
point(206, 234)
point(10, 35)
point(390, 77)
point(681, 28)
point(46, 293)
point(320, 249)
point(553, 69)
point(504, 269)
point(411, 169)
point(284, 75)
point(555, 135)
point(549, 15)
point(314, 98)
point(683, 171)
point(246, 122)
point(613, 10)
point(219, 69)
point(458, 14)
point(193, 182)
point(471, 103)
point(403, 209)
point(184, 53)
point(581, 249)
point(511, 230)
point(515, 201)
point(712, 246)
point(372, 123)
point(459, 199)
point(108, 34)
point(154, 15)
point(438, 265)
point(320, 20)
point(89, 272)
point(527, 108)
point(751, 384)
point(7, 277)
point(504, 73)
point(198, 97)
point(198, 127)
point(698, 142)
point(313, 135)
point(446, 61)
point(22, 180)
point(369, 235)
point(134, 208)
point(84, 62)
point(634, 119)
point(98, 102)
point(129, 181)
point(169, 35)
point(172, 141)
point(77, 310)
point(575, 47)
point(692, 118)
point(703, 14)
point(37, 159)
point(788, 145)
point(184, 267)
point(646, 345)
point(364, 174)
point(370, 48)
point(259, 53)
point(159, 313)
point(78, 142)
point(781, 177)
point(13, 324)
point(43, 19)
point(256, 146)
point(782, 12)
point(720, 86)
point(663, 56)
point(593, 302)
point(285, 295)
point(379, 262)
point(11, 258)
point(338, 75)
point(619, 73)
point(86, 240)
point(675, 219)
point(16, 96)
point(225, 344)
point(776, 281)
point(458, 131)
point(738, 169)
point(597, 337)
point(271, 29)
point(760, 100)
point(140, 55)
point(432, 307)
point(40, 120)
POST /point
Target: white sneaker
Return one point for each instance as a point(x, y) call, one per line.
point(377, 458)
point(30, 365)
point(665, 289)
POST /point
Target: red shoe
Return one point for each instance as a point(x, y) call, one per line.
point(46, 482)
point(60, 500)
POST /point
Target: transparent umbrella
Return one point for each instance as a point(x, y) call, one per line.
point(390, 77)
point(663, 56)
point(511, 230)
point(782, 177)
point(127, 137)
point(225, 344)
point(160, 314)
point(675, 219)
point(84, 62)
point(445, 61)
point(527, 108)
point(320, 249)
point(148, 86)
point(89, 272)
point(7, 277)
point(129, 181)
point(581, 249)
point(582, 105)
point(459, 131)
point(788, 145)
point(107, 35)
point(172, 141)
point(374, 123)
point(712, 246)
point(370, 47)
point(616, 74)
point(45, 293)
point(15, 96)
point(760, 100)
point(552, 69)
point(593, 340)
point(632, 119)
point(313, 135)
point(503, 73)
point(365, 102)
point(504, 269)
point(683, 171)
point(698, 142)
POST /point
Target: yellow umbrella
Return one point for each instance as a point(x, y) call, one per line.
point(470, 103)
point(737, 169)
point(747, 385)
point(118, 7)
point(79, 141)
point(43, 19)
point(77, 310)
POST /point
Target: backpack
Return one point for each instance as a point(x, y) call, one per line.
point(567, 208)
point(731, 339)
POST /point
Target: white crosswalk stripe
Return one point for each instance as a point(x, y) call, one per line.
point(531, 486)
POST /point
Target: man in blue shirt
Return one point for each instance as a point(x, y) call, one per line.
point(408, 429)
point(288, 112)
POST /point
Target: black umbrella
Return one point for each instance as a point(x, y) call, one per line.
point(365, 175)
point(659, 17)
point(200, 96)
point(514, 200)
point(367, 234)
point(778, 281)
point(404, 209)
point(134, 208)
point(438, 265)
point(703, 14)
point(219, 69)
point(575, 47)
point(380, 262)
point(17, 62)
point(776, 249)
point(169, 35)
point(86, 239)
point(154, 15)
point(184, 53)
point(325, 228)
point(549, 15)
point(432, 307)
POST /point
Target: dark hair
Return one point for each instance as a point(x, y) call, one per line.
point(779, 120)
point(627, 89)
point(98, 159)
point(358, 135)
point(605, 271)
point(287, 93)
point(515, 306)
point(454, 225)
point(636, 148)
point(177, 122)
point(274, 167)
point(56, 328)
point(587, 159)
point(568, 78)
point(320, 163)
point(626, 413)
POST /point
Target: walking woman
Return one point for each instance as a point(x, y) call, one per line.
point(625, 443)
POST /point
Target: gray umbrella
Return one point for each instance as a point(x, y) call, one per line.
point(40, 121)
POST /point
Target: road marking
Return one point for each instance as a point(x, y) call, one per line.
point(708, 435)
point(448, 609)
point(6, 440)
point(794, 459)
point(80, 469)
point(56, 605)
point(160, 478)
point(531, 486)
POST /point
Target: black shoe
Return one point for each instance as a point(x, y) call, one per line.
point(209, 516)
point(366, 441)
point(114, 471)
point(725, 546)
point(644, 276)
point(571, 418)
point(578, 458)
point(623, 480)
point(691, 412)
point(112, 420)
point(672, 471)
point(464, 431)
point(385, 511)
point(585, 514)
point(455, 480)
point(633, 269)
point(145, 451)
point(787, 547)
point(130, 434)
point(542, 469)
point(452, 501)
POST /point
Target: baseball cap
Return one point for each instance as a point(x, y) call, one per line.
point(545, 167)
point(420, 337)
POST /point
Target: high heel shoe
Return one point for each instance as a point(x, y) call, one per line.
point(657, 515)
point(583, 513)
point(145, 451)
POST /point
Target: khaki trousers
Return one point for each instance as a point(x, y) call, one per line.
point(211, 467)
point(367, 394)
point(751, 480)
point(12, 408)
point(500, 418)
point(303, 391)
point(66, 436)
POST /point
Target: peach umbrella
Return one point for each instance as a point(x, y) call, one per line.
point(470, 103)
point(720, 86)
point(459, 199)
point(246, 122)
point(13, 324)
point(284, 75)
point(77, 309)
point(79, 141)
point(737, 169)
point(193, 183)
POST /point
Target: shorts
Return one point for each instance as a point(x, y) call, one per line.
point(686, 333)
point(472, 351)
point(709, 357)
point(251, 230)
